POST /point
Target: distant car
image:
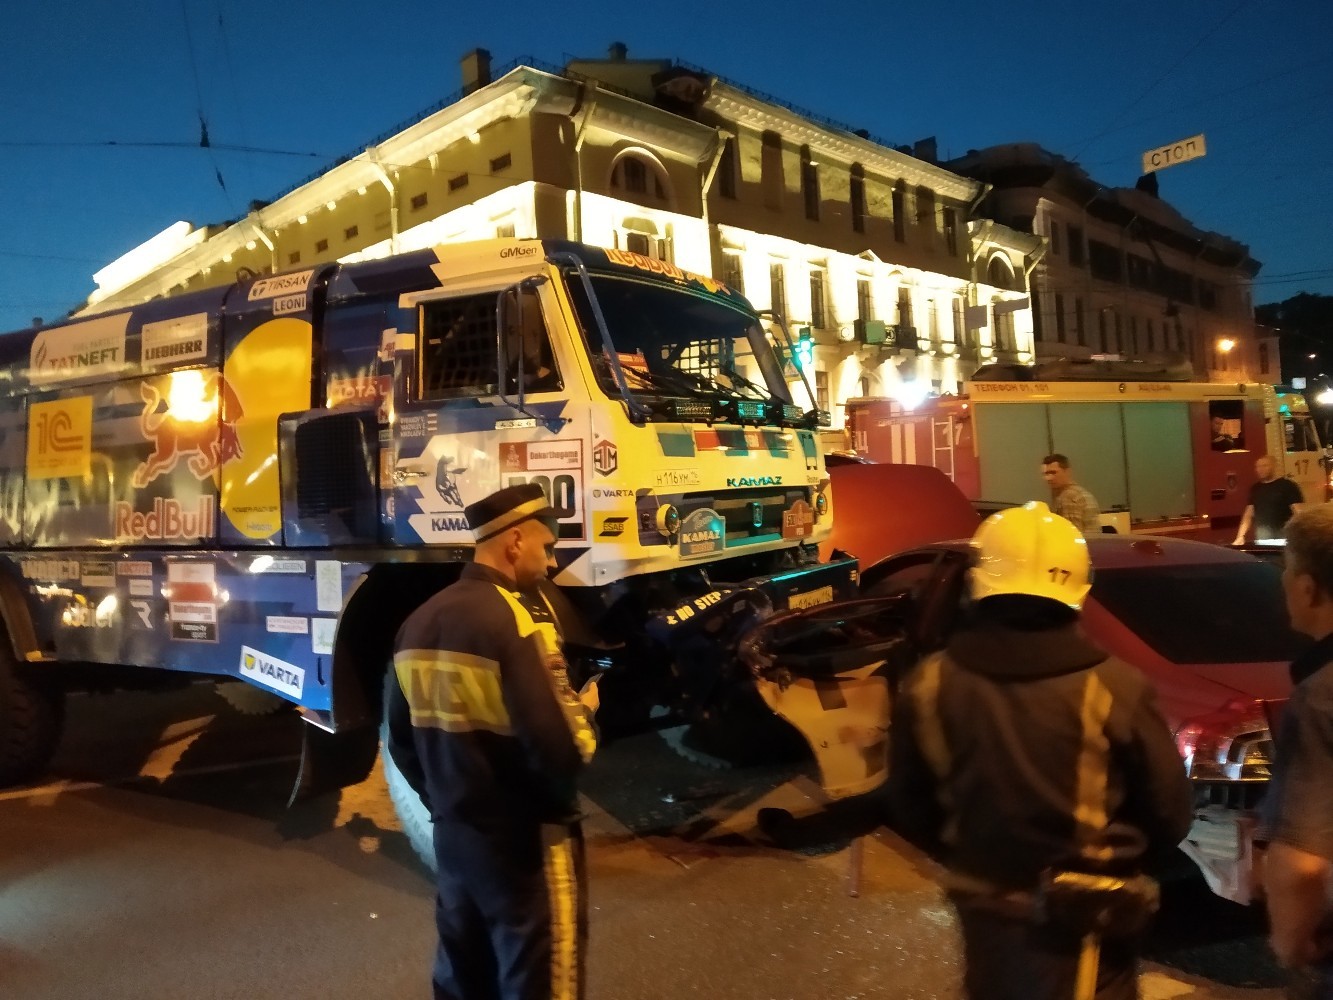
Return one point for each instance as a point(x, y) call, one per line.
point(1205, 623)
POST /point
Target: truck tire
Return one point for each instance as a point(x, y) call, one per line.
point(32, 715)
point(412, 812)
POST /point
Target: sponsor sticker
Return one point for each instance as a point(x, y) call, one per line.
point(135, 567)
point(50, 569)
point(605, 458)
point(141, 588)
point(192, 610)
point(271, 672)
point(285, 304)
point(702, 533)
point(60, 438)
point(267, 564)
point(99, 574)
point(287, 624)
point(322, 631)
point(171, 342)
point(283, 284)
point(611, 526)
point(798, 520)
point(328, 585)
point(78, 349)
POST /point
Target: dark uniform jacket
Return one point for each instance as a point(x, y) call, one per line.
point(1015, 748)
point(483, 721)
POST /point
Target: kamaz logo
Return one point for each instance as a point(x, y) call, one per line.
point(756, 481)
point(448, 524)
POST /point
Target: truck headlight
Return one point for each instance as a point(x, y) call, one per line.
point(668, 519)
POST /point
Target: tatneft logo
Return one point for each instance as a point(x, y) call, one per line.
point(271, 672)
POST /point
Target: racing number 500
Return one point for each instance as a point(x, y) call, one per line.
point(561, 491)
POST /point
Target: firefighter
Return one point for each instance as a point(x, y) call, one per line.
point(1024, 755)
point(484, 724)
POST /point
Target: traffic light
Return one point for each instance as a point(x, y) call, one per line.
point(805, 350)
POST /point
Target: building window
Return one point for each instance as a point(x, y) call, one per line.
point(1005, 339)
point(732, 272)
point(1151, 335)
point(904, 306)
point(960, 331)
point(777, 287)
point(900, 212)
point(1054, 235)
point(1263, 360)
point(501, 162)
point(865, 387)
point(726, 169)
point(1101, 330)
point(809, 184)
point(933, 318)
point(321, 246)
point(818, 319)
point(1133, 336)
point(455, 183)
point(925, 209)
point(381, 221)
point(632, 174)
point(770, 171)
point(505, 231)
point(418, 201)
point(821, 391)
point(1038, 323)
point(1080, 334)
point(294, 257)
point(951, 232)
point(1119, 338)
point(858, 198)
point(350, 233)
point(1075, 234)
point(1000, 274)
point(1059, 317)
point(865, 306)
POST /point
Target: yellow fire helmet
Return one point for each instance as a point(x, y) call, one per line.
point(1029, 550)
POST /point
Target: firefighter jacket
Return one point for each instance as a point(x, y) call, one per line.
point(1015, 748)
point(483, 722)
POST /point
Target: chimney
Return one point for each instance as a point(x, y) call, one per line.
point(476, 66)
point(926, 149)
point(617, 52)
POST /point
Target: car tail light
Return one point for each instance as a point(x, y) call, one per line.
point(1230, 744)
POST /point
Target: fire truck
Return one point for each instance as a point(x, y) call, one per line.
point(259, 482)
point(1160, 456)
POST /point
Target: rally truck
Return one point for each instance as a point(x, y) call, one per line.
point(257, 483)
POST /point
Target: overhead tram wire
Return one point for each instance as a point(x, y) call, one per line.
point(1169, 71)
point(204, 140)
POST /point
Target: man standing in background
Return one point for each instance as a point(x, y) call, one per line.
point(1273, 499)
point(1068, 499)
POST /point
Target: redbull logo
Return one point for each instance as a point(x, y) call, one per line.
point(168, 520)
point(199, 425)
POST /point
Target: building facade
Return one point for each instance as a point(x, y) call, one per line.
point(1125, 276)
point(870, 250)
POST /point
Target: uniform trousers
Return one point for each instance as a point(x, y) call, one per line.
point(511, 911)
point(1011, 957)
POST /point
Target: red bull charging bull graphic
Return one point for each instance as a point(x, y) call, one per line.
point(198, 425)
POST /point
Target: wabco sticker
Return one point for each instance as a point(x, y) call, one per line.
point(702, 533)
point(798, 521)
point(272, 672)
point(611, 526)
point(811, 598)
point(605, 458)
point(677, 477)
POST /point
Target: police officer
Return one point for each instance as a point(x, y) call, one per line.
point(1022, 749)
point(484, 724)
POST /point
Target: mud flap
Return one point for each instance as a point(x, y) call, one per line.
point(1221, 843)
point(333, 760)
point(845, 719)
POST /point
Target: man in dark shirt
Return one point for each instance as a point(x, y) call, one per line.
point(484, 725)
point(1273, 499)
point(1298, 810)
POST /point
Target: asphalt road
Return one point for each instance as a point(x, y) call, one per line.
point(159, 861)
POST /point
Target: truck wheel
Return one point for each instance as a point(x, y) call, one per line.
point(250, 700)
point(32, 715)
point(412, 812)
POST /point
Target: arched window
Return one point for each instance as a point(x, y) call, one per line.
point(639, 177)
point(1000, 274)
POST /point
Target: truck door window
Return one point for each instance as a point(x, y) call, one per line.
point(458, 347)
point(529, 339)
point(1227, 424)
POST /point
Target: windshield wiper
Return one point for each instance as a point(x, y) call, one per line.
point(761, 392)
point(690, 385)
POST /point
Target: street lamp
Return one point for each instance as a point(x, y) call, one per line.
point(1225, 345)
point(1324, 397)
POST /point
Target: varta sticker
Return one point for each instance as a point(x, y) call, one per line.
point(603, 493)
point(271, 672)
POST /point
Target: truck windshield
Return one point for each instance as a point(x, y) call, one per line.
point(1204, 613)
point(671, 341)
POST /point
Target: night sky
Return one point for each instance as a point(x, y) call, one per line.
point(101, 103)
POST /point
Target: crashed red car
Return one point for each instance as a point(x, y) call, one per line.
point(1206, 624)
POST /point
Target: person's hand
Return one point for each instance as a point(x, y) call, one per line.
point(1240, 540)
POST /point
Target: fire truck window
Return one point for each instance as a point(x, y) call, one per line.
point(1300, 435)
point(533, 344)
point(458, 347)
point(1227, 424)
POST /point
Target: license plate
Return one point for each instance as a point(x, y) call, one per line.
point(811, 598)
